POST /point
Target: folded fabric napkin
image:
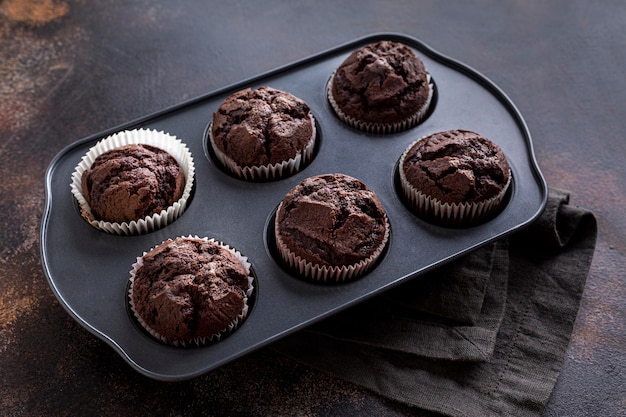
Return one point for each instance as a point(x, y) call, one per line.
point(484, 335)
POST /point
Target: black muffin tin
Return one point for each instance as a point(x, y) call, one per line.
point(88, 269)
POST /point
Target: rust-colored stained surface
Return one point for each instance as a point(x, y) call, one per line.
point(34, 12)
point(602, 316)
point(72, 68)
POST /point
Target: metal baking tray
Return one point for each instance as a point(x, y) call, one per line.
point(88, 269)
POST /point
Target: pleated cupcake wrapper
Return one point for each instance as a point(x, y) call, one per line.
point(323, 273)
point(197, 341)
point(159, 139)
point(381, 128)
point(447, 214)
point(267, 172)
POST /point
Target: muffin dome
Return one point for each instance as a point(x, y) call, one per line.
point(266, 128)
point(456, 168)
point(189, 290)
point(331, 223)
point(381, 87)
point(131, 182)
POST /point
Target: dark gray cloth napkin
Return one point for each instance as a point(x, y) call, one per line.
point(484, 335)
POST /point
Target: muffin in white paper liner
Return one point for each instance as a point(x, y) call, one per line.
point(325, 273)
point(381, 128)
point(271, 171)
point(159, 139)
point(197, 341)
point(447, 214)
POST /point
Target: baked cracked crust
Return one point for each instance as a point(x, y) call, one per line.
point(189, 288)
point(457, 166)
point(381, 83)
point(262, 127)
point(131, 182)
point(332, 220)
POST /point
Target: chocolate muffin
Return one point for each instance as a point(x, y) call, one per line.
point(331, 228)
point(456, 177)
point(381, 88)
point(131, 182)
point(134, 181)
point(263, 134)
point(190, 290)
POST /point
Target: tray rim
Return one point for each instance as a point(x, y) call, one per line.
point(137, 122)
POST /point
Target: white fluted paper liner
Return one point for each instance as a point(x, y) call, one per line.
point(159, 139)
point(447, 214)
point(324, 273)
point(381, 128)
point(267, 172)
point(198, 341)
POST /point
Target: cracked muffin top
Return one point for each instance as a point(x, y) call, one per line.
point(189, 288)
point(384, 83)
point(332, 220)
point(131, 182)
point(262, 127)
point(457, 166)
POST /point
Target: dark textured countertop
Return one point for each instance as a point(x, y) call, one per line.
point(69, 69)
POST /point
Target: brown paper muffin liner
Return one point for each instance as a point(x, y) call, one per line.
point(323, 273)
point(381, 128)
point(198, 341)
point(447, 214)
point(159, 139)
point(267, 172)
